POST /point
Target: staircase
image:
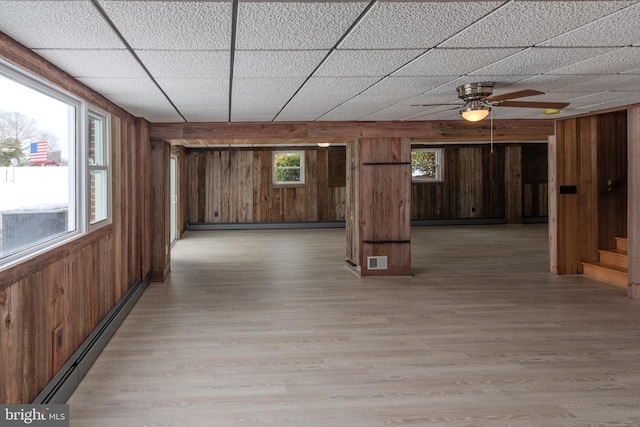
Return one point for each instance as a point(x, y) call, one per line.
point(612, 267)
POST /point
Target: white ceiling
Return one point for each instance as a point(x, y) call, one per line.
point(174, 61)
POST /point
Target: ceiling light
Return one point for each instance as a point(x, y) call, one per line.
point(474, 111)
point(550, 111)
point(324, 144)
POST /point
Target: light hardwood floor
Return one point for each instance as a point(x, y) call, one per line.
point(268, 328)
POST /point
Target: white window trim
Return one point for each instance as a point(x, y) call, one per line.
point(106, 166)
point(302, 167)
point(439, 166)
point(76, 213)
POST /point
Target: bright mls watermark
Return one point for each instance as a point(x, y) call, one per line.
point(34, 415)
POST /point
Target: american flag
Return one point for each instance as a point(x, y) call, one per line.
point(39, 152)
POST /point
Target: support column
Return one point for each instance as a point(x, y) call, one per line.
point(160, 210)
point(633, 202)
point(378, 207)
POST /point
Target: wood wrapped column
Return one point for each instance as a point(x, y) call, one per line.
point(633, 205)
point(378, 206)
point(160, 210)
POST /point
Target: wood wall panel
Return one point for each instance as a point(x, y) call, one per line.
point(633, 192)
point(590, 151)
point(236, 186)
point(473, 186)
point(75, 284)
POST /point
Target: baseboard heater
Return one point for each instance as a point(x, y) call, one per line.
point(60, 388)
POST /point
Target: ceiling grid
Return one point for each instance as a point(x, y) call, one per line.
point(261, 60)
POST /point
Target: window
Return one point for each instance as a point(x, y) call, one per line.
point(426, 164)
point(288, 167)
point(98, 167)
point(43, 193)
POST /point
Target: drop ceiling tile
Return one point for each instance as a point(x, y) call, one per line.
point(173, 25)
point(56, 25)
point(413, 24)
point(196, 92)
point(453, 62)
point(274, 92)
point(94, 63)
point(186, 64)
point(356, 63)
point(123, 86)
point(612, 62)
point(621, 82)
point(539, 60)
point(598, 33)
point(205, 114)
point(153, 108)
point(527, 23)
point(321, 94)
point(277, 63)
point(294, 25)
point(550, 82)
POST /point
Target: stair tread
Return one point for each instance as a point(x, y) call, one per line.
point(606, 266)
point(614, 251)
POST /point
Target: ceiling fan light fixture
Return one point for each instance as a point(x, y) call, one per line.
point(550, 111)
point(474, 111)
point(324, 144)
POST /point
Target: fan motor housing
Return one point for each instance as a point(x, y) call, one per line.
point(472, 91)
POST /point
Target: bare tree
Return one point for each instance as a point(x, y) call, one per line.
point(17, 131)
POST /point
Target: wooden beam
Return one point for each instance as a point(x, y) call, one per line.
point(301, 132)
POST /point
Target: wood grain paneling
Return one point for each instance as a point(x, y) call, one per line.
point(236, 186)
point(591, 155)
point(473, 186)
point(71, 287)
point(633, 219)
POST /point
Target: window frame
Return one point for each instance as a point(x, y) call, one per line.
point(78, 216)
point(439, 154)
point(302, 168)
point(105, 166)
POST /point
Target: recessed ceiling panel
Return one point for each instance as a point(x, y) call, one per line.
point(453, 62)
point(57, 25)
point(94, 63)
point(277, 63)
point(621, 82)
point(196, 25)
point(294, 25)
point(154, 108)
point(356, 63)
point(414, 24)
point(539, 60)
point(599, 33)
point(527, 23)
point(186, 64)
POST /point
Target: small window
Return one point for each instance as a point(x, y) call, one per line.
point(288, 167)
point(426, 164)
point(98, 167)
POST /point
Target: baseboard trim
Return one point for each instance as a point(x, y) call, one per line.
point(60, 388)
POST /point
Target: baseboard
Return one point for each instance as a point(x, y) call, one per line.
point(60, 388)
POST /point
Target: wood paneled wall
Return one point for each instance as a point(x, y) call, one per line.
point(236, 186)
point(589, 152)
point(73, 286)
point(633, 191)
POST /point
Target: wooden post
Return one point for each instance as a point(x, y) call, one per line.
point(553, 205)
point(513, 183)
point(379, 209)
point(633, 204)
point(160, 208)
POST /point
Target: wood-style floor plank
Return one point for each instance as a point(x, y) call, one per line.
point(269, 328)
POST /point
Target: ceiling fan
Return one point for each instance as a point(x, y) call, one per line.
point(479, 99)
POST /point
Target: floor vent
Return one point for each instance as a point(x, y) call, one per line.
point(377, 263)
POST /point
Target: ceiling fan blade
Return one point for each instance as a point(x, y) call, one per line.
point(513, 95)
point(525, 104)
point(435, 105)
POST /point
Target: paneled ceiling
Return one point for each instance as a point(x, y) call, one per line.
point(238, 61)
